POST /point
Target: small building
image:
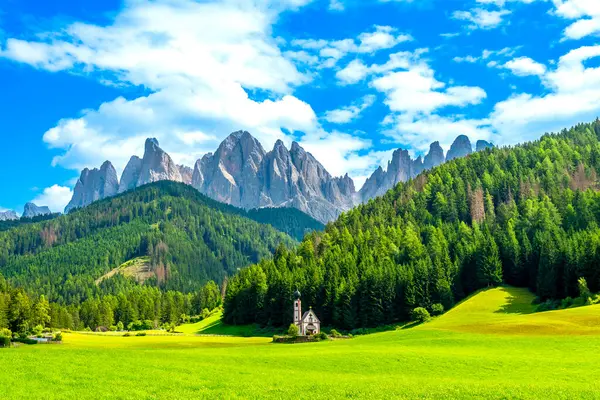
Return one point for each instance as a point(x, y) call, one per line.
point(307, 323)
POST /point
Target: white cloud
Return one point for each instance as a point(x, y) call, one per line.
point(336, 5)
point(586, 14)
point(348, 114)
point(200, 62)
point(367, 43)
point(525, 66)
point(55, 197)
point(480, 18)
point(573, 96)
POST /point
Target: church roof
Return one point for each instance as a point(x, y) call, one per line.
point(307, 313)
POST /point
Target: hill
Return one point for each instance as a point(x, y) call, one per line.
point(188, 238)
point(527, 216)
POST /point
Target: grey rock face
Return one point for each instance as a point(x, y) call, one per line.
point(241, 173)
point(131, 174)
point(94, 185)
point(435, 156)
point(187, 174)
point(31, 210)
point(460, 148)
point(157, 165)
point(482, 145)
point(401, 168)
point(8, 215)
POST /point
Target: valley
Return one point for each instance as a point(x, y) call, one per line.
point(464, 354)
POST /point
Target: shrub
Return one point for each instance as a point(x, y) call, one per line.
point(140, 334)
point(293, 330)
point(420, 314)
point(58, 337)
point(120, 326)
point(321, 336)
point(38, 330)
point(334, 333)
point(25, 340)
point(5, 332)
point(437, 309)
point(584, 291)
point(550, 305)
point(566, 303)
point(112, 328)
point(360, 331)
point(126, 334)
point(4, 341)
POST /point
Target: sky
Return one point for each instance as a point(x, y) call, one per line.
point(86, 81)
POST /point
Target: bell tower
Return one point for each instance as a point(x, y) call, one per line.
point(298, 311)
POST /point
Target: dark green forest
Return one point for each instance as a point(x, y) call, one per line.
point(526, 215)
point(190, 239)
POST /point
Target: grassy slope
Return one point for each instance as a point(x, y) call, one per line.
point(453, 356)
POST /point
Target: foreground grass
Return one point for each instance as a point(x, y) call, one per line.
point(455, 356)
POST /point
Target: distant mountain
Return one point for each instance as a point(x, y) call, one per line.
point(31, 210)
point(242, 173)
point(8, 215)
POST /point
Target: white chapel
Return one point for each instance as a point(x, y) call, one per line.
point(307, 323)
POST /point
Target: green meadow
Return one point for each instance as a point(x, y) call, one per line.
point(491, 346)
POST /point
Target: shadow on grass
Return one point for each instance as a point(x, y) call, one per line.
point(516, 303)
point(219, 328)
point(411, 325)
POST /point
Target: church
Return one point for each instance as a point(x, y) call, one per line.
point(308, 324)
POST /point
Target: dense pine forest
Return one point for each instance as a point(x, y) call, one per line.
point(527, 216)
point(189, 239)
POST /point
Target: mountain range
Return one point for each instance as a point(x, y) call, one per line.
point(243, 174)
point(30, 211)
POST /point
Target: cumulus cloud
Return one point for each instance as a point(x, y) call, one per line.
point(55, 197)
point(573, 95)
point(480, 18)
point(525, 66)
point(586, 14)
point(201, 62)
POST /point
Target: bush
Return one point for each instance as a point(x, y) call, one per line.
point(437, 309)
point(566, 303)
point(25, 340)
point(334, 333)
point(140, 334)
point(58, 337)
point(120, 326)
point(550, 305)
point(38, 330)
point(584, 291)
point(5, 332)
point(420, 314)
point(126, 334)
point(4, 341)
point(293, 330)
point(321, 336)
point(112, 328)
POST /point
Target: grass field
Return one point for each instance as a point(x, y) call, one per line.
point(491, 346)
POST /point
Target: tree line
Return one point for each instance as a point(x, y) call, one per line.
point(138, 307)
point(526, 215)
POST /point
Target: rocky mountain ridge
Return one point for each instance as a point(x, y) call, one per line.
point(242, 173)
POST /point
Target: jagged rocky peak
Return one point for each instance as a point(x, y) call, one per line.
point(8, 215)
point(32, 210)
point(460, 148)
point(482, 145)
point(131, 174)
point(187, 174)
point(435, 156)
point(157, 165)
point(93, 185)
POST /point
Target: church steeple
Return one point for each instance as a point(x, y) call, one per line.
point(298, 311)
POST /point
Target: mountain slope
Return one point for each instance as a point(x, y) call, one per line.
point(527, 215)
point(189, 237)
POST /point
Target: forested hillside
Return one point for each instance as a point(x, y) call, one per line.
point(189, 238)
point(527, 215)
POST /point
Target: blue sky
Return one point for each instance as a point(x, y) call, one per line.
point(86, 81)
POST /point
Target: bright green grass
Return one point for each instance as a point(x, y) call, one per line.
point(467, 353)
